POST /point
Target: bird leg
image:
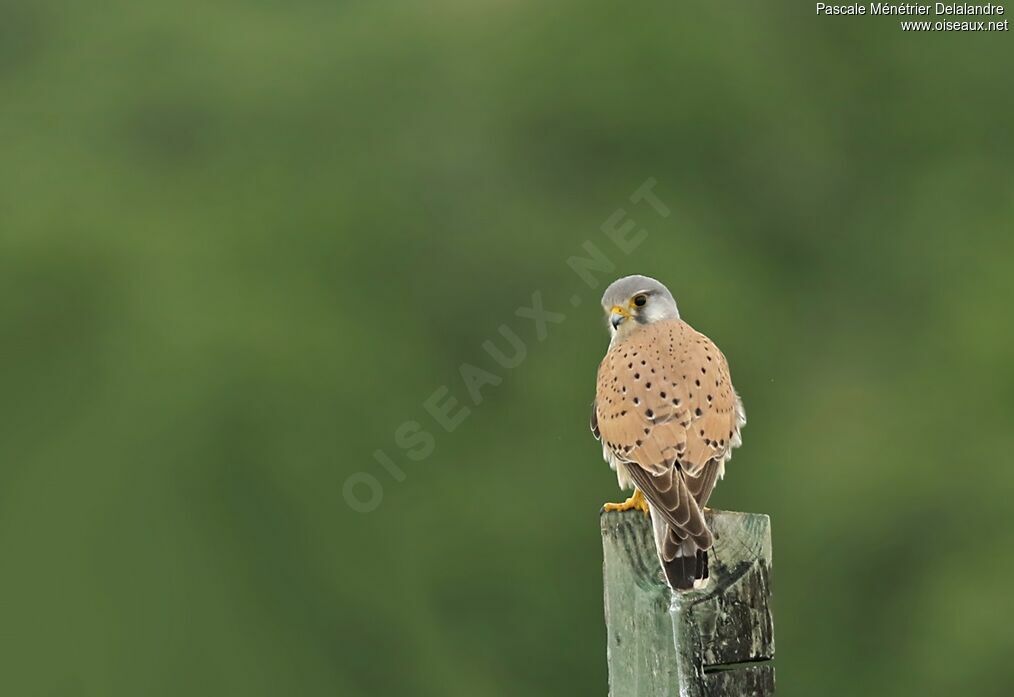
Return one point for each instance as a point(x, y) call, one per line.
point(635, 501)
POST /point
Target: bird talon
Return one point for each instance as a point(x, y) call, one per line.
point(637, 501)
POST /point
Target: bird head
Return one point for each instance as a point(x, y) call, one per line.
point(633, 301)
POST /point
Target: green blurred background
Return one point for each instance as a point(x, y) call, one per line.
point(242, 242)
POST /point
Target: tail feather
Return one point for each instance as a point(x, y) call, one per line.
point(683, 571)
point(681, 556)
point(682, 559)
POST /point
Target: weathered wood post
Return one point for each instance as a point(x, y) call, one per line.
point(716, 641)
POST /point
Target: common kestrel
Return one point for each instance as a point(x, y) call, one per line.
point(668, 418)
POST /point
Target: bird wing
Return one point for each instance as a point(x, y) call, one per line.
point(665, 406)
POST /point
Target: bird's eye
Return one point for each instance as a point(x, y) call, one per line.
point(639, 300)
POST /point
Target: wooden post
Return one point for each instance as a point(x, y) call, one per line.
point(716, 641)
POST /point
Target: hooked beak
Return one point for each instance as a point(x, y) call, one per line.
point(616, 316)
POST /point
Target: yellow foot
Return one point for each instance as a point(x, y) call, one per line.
point(636, 501)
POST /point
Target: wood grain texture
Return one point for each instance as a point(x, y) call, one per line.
point(712, 642)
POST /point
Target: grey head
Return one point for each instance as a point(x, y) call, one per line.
point(633, 301)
